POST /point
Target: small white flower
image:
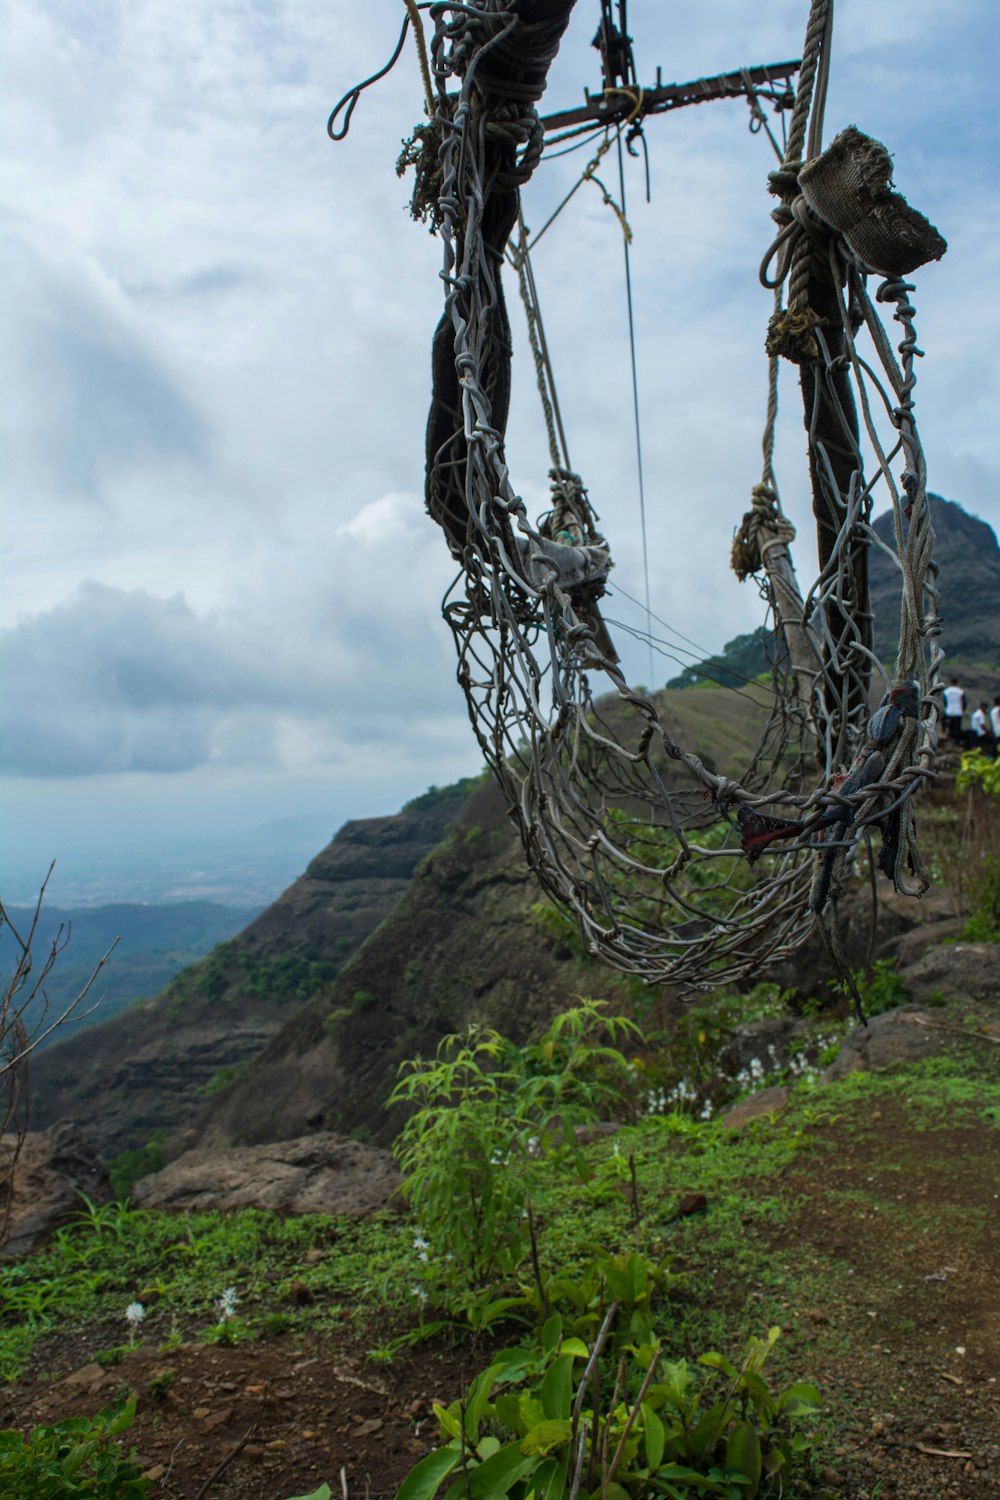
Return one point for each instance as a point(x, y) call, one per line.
point(419, 1243)
point(419, 1292)
point(227, 1303)
point(135, 1312)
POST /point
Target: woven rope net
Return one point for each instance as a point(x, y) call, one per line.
point(672, 871)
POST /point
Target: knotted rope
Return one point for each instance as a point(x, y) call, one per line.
point(670, 869)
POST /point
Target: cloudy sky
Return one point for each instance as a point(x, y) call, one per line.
point(221, 593)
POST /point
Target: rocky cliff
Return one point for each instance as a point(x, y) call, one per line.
point(968, 559)
point(145, 1071)
point(468, 942)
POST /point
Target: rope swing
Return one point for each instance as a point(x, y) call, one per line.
point(672, 871)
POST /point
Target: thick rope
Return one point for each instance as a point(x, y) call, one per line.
point(671, 869)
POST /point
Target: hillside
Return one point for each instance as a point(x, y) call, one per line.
point(458, 944)
point(469, 942)
point(141, 1073)
point(968, 557)
point(461, 943)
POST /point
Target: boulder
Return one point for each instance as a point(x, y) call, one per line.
point(912, 946)
point(955, 971)
point(756, 1107)
point(901, 1035)
point(904, 923)
point(53, 1168)
point(770, 1042)
point(313, 1174)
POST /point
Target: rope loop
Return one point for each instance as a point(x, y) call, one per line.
point(671, 869)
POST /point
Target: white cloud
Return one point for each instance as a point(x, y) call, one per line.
point(381, 520)
point(218, 329)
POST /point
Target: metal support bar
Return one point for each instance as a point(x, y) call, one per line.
point(610, 107)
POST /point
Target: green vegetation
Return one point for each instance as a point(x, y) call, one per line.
point(230, 970)
point(79, 1457)
point(612, 1287)
point(135, 1162)
point(493, 1125)
point(969, 850)
point(978, 770)
point(881, 988)
point(437, 796)
point(545, 1416)
point(220, 1081)
point(743, 659)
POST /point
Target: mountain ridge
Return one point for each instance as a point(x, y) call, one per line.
point(967, 555)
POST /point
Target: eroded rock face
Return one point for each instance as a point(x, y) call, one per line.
point(906, 926)
point(54, 1167)
point(313, 1174)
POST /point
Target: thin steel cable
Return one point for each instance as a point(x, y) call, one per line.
point(635, 401)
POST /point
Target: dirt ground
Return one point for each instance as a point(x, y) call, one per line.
point(893, 1259)
point(907, 1350)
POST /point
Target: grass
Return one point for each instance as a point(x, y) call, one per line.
point(734, 1283)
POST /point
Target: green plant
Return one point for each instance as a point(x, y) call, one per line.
point(78, 1457)
point(881, 987)
point(580, 1299)
point(556, 1415)
point(135, 1162)
point(978, 770)
point(983, 893)
point(221, 1079)
point(160, 1384)
point(490, 1118)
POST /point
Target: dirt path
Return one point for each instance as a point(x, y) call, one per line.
point(903, 1227)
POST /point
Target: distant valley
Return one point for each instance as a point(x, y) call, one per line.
point(153, 944)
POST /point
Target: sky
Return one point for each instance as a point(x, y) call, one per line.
point(221, 594)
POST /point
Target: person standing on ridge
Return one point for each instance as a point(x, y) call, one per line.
point(954, 708)
point(995, 725)
point(980, 733)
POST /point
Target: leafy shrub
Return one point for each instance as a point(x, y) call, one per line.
point(78, 1457)
point(978, 770)
point(983, 925)
point(487, 1115)
point(437, 796)
point(222, 1078)
point(882, 989)
point(552, 1415)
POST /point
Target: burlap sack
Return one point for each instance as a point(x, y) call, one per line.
point(849, 187)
